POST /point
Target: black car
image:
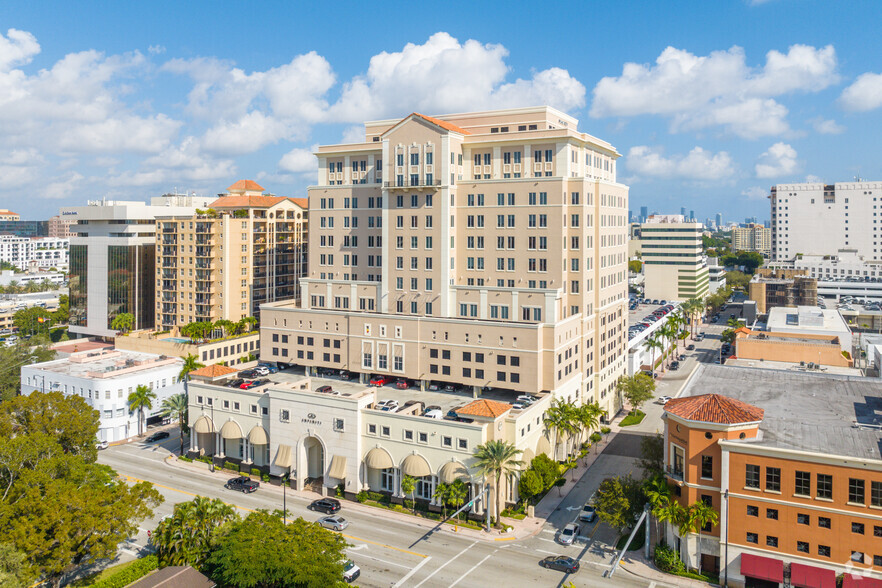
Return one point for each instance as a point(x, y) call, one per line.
point(675, 365)
point(157, 436)
point(236, 383)
point(560, 563)
point(344, 375)
point(326, 505)
point(242, 484)
point(248, 374)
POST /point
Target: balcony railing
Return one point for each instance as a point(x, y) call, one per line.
point(675, 473)
point(406, 183)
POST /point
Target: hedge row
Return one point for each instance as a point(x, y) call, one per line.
point(130, 574)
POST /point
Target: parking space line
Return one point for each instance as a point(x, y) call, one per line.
point(471, 569)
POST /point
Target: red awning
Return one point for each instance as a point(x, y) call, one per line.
point(762, 568)
point(803, 576)
point(854, 581)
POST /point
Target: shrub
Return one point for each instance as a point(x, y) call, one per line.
point(668, 560)
point(185, 458)
point(361, 496)
point(265, 477)
point(595, 437)
point(231, 466)
point(547, 468)
point(130, 574)
point(255, 472)
point(605, 430)
point(340, 488)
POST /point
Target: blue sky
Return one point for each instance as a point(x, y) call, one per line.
point(710, 103)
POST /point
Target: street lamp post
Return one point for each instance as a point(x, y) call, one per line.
point(285, 479)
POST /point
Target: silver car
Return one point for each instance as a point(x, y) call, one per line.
point(568, 534)
point(333, 522)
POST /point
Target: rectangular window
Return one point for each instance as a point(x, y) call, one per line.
point(824, 522)
point(857, 528)
point(752, 511)
point(802, 546)
point(752, 476)
point(803, 519)
point(876, 493)
point(773, 479)
point(771, 541)
point(825, 486)
point(824, 550)
point(804, 484)
point(856, 491)
point(772, 513)
point(752, 538)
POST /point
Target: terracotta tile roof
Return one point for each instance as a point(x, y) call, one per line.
point(744, 330)
point(442, 124)
point(213, 371)
point(301, 202)
point(485, 408)
point(243, 185)
point(246, 201)
point(714, 408)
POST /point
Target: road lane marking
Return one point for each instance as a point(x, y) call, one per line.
point(251, 510)
point(471, 569)
point(442, 566)
point(411, 573)
point(388, 563)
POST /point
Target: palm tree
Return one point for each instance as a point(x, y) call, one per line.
point(658, 493)
point(442, 494)
point(191, 363)
point(589, 418)
point(186, 537)
point(123, 322)
point(408, 486)
point(175, 407)
point(671, 512)
point(653, 342)
point(701, 514)
point(229, 327)
point(140, 399)
point(733, 322)
point(249, 322)
point(555, 421)
point(495, 459)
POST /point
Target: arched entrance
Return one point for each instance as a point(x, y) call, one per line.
point(315, 458)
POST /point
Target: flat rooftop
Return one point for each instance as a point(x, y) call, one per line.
point(820, 413)
point(106, 363)
point(808, 318)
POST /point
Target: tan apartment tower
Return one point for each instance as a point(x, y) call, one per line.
point(485, 249)
point(223, 262)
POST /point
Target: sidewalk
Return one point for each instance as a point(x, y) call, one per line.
point(634, 563)
point(521, 529)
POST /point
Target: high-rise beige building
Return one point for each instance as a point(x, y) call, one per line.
point(223, 262)
point(753, 237)
point(485, 249)
point(674, 267)
point(59, 226)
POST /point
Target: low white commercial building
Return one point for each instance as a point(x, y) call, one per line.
point(38, 252)
point(810, 320)
point(104, 379)
point(716, 276)
point(8, 276)
point(674, 266)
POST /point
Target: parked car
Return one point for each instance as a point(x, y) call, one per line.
point(402, 384)
point(350, 571)
point(387, 405)
point(248, 374)
point(325, 505)
point(560, 563)
point(434, 414)
point(236, 383)
point(690, 347)
point(334, 522)
point(682, 357)
point(664, 400)
point(324, 389)
point(588, 514)
point(344, 375)
point(675, 365)
point(568, 534)
point(102, 445)
point(270, 368)
point(433, 387)
point(157, 436)
point(242, 484)
point(252, 384)
point(379, 380)
point(526, 398)
point(261, 370)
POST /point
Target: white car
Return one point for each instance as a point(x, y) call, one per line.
point(526, 399)
point(568, 534)
point(663, 400)
point(261, 370)
point(102, 445)
point(350, 571)
point(434, 414)
point(333, 522)
point(387, 405)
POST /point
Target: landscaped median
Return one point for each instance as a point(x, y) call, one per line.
point(635, 417)
point(380, 500)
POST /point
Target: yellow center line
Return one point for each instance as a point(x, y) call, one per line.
point(250, 510)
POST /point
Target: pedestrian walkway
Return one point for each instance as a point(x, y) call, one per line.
point(636, 564)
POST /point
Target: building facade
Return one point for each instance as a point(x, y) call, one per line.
point(35, 252)
point(21, 228)
point(753, 237)
point(247, 248)
point(8, 215)
point(774, 288)
point(796, 478)
point(820, 219)
point(60, 226)
point(112, 261)
point(501, 234)
point(673, 262)
point(104, 379)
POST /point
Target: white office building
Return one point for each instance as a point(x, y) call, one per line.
point(113, 260)
point(35, 252)
point(673, 263)
point(821, 219)
point(104, 379)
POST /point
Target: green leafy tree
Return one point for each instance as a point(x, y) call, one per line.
point(635, 266)
point(140, 399)
point(15, 572)
point(728, 336)
point(737, 280)
point(652, 455)
point(530, 485)
point(588, 418)
point(612, 504)
point(32, 321)
point(13, 358)
point(261, 551)
point(191, 363)
point(175, 407)
point(559, 421)
point(654, 342)
point(495, 459)
point(123, 322)
point(227, 326)
point(658, 493)
point(636, 389)
point(62, 314)
point(456, 494)
point(187, 536)
point(408, 486)
point(547, 468)
point(441, 494)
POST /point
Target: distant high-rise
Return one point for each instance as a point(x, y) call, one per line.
point(683, 211)
point(673, 265)
point(692, 215)
point(644, 213)
point(719, 220)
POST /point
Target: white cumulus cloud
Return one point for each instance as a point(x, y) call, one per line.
point(755, 193)
point(779, 160)
point(299, 161)
point(827, 127)
point(17, 48)
point(864, 94)
point(698, 164)
point(719, 89)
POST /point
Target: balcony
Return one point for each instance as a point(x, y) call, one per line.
point(674, 473)
point(169, 284)
point(169, 308)
point(204, 299)
point(170, 240)
point(169, 297)
point(203, 252)
point(169, 274)
point(204, 240)
point(169, 251)
point(406, 183)
point(169, 262)
point(203, 287)
point(203, 264)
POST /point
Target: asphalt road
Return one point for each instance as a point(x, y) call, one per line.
point(395, 553)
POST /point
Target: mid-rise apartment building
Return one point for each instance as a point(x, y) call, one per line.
point(791, 463)
point(223, 262)
point(753, 237)
point(60, 226)
point(820, 219)
point(8, 215)
point(674, 266)
point(112, 260)
point(772, 288)
point(484, 249)
point(35, 252)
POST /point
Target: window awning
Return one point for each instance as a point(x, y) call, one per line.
point(338, 467)
point(231, 430)
point(803, 576)
point(203, 425)
point(855, 581)
point(762, 568)
point(453, 471)
point(378, 459)
point(257, 436)
point(283, 456)
point(416, 466)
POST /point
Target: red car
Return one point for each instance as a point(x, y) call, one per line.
point(402, 384)
point(379, 381)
